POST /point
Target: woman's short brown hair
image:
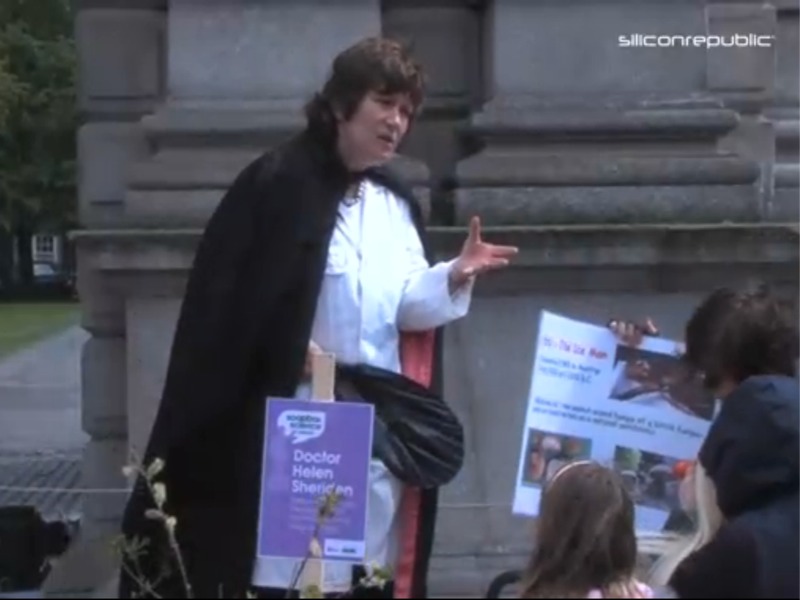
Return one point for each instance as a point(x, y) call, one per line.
point(373, 64)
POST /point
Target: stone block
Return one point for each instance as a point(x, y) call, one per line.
point(105, 153)
point(151, 326)
point(171, 208)
point(545, 48)
point(618, 120)
point(745, 66)
point(120, 58)
point(554, 166)
point(104, 411)
point(103, 461)
point(785, 207)
point(102, 309)
point(253, 52)
point(609, 204)
point(444, 38)
point(451, 535)
point(662, 257)
point(182, 187)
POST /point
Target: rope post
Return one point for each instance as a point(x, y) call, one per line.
point(323, 377)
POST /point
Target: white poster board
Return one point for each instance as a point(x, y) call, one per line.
point(637, 410)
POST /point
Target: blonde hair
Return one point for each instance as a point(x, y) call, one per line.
point(585, 537)
point(674, 549)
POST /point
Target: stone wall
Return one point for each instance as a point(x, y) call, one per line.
point(634, 180)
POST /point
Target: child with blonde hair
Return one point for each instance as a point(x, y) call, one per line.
point(585, 538)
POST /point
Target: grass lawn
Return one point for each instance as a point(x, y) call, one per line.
point(24, 324)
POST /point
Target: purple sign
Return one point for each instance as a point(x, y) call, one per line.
point(311, 449)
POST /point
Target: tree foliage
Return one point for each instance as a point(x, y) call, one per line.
point(38, 117)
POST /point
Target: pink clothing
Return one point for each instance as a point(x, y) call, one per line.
point(642, 591)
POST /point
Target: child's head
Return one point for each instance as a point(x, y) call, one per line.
point(585, 536)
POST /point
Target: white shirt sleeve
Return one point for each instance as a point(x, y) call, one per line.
point(427, 302)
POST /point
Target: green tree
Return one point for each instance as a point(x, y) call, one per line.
point(38, 121)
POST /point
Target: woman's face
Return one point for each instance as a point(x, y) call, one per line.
point(372, 134)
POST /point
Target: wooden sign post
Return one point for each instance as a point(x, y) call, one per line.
point(323, 378)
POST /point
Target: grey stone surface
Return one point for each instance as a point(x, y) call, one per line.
point(249, 50)
point(608, 204)
point(545, 47)
point(120, 61)
point(151, 325)
point(576, 167)
point(105, 153)
point(742, 68)
point(103, 461)
point(445, 35)
point(105, 414)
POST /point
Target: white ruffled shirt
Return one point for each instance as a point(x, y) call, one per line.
point(377, 283)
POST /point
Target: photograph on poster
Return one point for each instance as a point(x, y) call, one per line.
point(547, 452)
point(652, 479)
point(647, 378)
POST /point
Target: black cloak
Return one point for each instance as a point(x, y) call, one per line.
point(242, 335)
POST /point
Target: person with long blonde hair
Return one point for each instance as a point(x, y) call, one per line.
point(699, 498)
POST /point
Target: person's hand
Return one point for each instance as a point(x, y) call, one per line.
point(478, 256)
point(313, 348)
point(631, 333)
